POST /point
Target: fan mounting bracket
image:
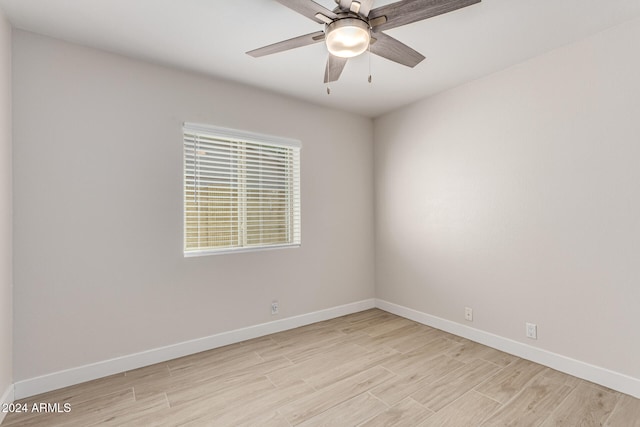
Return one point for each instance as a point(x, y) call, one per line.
point(324, 18)
point(373, 23)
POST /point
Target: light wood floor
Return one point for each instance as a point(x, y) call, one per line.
point(370, 368)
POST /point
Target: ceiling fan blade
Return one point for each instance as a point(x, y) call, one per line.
point(334, 68)
point(293, 43)
point(408, 11)
point(394, 50)
point(309, 8)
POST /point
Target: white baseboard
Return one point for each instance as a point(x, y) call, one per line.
point(56, 380)
point(614, 380)
point(7, 397)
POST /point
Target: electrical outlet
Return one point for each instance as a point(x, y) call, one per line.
point(468, 314)
point(532, 331)
point(274, 307)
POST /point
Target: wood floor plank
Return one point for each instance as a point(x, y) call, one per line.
point(190, 376)
point(348, 413)
point(551, 375)
point(264, 406)
point(159, 370)
point(469, 410)
point(270, 419)
point(229, 352)
point(336, 323)
point(407, 413)
point(366, 315)
point(370, 342)
point(232, 360)
point(585, 406)
point(533, 405)
point(316, 366)
point(378, 318)
point(389, 327)
point(403, 339)
point(420, 358)
point(318, 402)
point(193, 415)
point(470, 350)
point(130, 413)
point(349, 368)
point(217, 394)
point(204, 406)
point(510, 380)
point(297, 349)
point(320, 349)
point(422, 336)
point(402, 386)
point(439, 394)
point(626, 413)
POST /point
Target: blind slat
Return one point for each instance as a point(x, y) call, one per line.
point(239, 192)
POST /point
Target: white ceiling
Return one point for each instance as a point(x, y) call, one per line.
point(211, 36)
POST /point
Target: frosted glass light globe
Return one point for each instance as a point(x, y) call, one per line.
point(347, 37)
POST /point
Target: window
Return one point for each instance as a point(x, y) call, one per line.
point(241, 191)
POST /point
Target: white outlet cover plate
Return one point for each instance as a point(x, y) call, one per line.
point(532, 331)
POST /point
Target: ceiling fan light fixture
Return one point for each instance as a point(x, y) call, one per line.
point(347, 37)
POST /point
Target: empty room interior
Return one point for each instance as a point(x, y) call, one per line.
point(297, 212)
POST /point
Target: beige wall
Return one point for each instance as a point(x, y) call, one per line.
point(517, 195)
point(99, 270)
point(6, 228)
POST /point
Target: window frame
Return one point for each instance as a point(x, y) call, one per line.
point(234, 136)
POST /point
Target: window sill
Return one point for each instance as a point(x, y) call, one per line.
point(224, 251)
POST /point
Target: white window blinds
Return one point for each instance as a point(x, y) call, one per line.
point(241, 190)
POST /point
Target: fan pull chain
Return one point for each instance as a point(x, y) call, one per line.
point(369, 55)
point(328, 71)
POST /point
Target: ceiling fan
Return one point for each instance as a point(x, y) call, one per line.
point(354, 27)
